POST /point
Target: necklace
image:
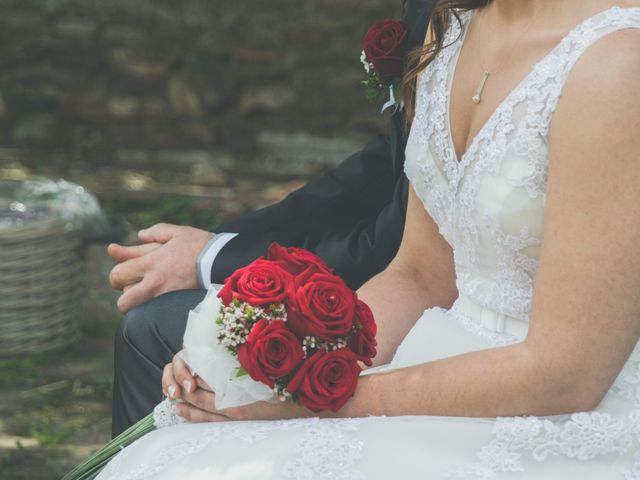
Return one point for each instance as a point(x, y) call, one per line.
point(477, 98)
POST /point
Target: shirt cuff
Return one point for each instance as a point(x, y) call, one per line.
point(208, 255)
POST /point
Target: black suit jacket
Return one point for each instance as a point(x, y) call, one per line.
point(352, 217)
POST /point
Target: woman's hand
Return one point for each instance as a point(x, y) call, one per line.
point(179, 382)
point(199, 400)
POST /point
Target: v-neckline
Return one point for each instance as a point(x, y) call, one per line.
point(460, 163)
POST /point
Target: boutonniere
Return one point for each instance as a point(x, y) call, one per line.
point(384, 47)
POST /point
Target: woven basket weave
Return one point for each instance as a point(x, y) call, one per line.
point(42, 284)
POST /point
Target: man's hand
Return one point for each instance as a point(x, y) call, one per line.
point(166, 261)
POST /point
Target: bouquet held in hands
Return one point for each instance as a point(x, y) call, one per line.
point(284, 327)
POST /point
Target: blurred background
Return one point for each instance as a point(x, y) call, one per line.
point(189, 112)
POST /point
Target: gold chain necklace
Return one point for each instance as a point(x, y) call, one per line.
point(477, 98)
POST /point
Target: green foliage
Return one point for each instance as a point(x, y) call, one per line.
point(374, 88)
point(23, 371)
point(49, 433)
point(241, 372)
point(100, 328)
point(102, 385)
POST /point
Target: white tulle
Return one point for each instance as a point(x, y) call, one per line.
point(213, 362)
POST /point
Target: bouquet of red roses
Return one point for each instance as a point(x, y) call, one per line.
point(297, 328)
point(282, 327)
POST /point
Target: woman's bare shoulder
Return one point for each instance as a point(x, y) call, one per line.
point(610, 63)
point(601, 92)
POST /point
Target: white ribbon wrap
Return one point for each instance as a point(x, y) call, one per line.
point(213, 362)
point(392, 102)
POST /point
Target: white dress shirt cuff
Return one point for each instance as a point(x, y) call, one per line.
point(208, 255)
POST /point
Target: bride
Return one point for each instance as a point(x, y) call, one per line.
point(513, 300)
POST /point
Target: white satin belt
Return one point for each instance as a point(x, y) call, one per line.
point(491, 319)
point(502, 323)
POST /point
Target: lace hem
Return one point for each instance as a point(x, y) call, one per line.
point(326, 450)
point(582, 436)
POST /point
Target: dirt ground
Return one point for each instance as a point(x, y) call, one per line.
point(189, 112)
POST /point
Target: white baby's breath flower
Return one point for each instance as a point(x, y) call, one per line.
point(365, 62)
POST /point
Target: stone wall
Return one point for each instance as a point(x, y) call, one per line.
point(170, 96)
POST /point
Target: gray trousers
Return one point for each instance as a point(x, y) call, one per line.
point(147, 340)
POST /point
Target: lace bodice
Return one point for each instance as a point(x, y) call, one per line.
point(489, 205)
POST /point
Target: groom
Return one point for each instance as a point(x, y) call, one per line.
point(352, 217)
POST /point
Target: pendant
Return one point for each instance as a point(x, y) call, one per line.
point(476, 98)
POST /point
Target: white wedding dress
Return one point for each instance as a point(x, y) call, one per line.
point(489, 207)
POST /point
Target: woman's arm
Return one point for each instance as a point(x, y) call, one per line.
point(420, 276)
point(585, 317)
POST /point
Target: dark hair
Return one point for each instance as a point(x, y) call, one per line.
point(418, 59)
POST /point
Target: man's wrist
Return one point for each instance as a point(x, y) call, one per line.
point(206, 258)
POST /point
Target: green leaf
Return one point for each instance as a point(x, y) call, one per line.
point(241, 372)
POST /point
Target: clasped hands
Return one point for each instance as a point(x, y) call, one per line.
point(164, 262)
point(198, 405)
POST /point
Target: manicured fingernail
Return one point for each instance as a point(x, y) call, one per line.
point(193, 374)
point(171, 390)
point(142, 232)
point(187, 385)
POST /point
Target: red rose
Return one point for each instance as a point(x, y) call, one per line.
point(260, 283)
point(363, 341)
point(270, 351)
point(385, 45)
point(321, 304)
point(295, 260)
point(326, 380)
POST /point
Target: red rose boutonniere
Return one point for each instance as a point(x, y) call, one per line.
point(384, 48)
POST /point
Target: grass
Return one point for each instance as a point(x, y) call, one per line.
point(49, 432)
point(100, 328)
point(22, 463)
point(23, 371)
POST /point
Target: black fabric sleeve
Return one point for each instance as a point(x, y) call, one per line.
point(356, 250)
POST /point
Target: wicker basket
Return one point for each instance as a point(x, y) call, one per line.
point(42, 284)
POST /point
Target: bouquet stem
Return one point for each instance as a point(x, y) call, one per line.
point(93, 465)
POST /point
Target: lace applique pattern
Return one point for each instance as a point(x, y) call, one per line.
point(584, 436)
point(510, 152)
point(164, 414)
point(581, 436)
point(495, 256)
point(325, 451)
